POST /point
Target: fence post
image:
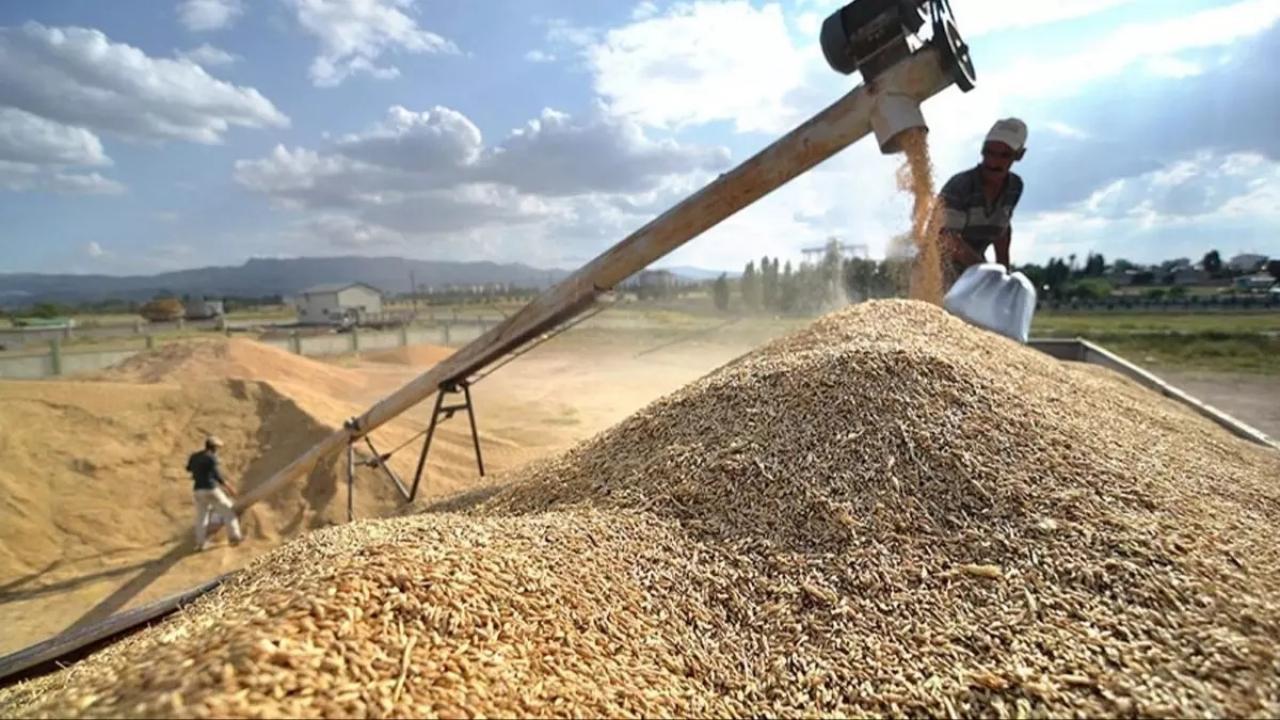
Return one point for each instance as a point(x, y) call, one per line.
point(404, 335)
point(446, 332)
point(55, 355)
point(355, 339)
point(151, 341)
point(295, 343)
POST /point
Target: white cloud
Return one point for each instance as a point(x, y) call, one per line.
point(1160, 43)
point(28, 177)
point(700, 63)
point(563, 32)
point(440, 138)
point(1067, 131)
point(1194, 196)
point(980, 17)
point(208, 56)
point(28, 138)
point(644, 10)
point(79, 77)
point(554, 155)
point(93, 249)
point(355, 34)
point(538, 56)
point(347, 233)
point(204, 15)
point(90, 184)
point(1168, 66)
point(809, 24)
point(427, 175)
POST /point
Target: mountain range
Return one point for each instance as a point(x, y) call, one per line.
point(260, 277)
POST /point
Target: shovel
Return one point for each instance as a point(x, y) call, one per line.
point(990, 297)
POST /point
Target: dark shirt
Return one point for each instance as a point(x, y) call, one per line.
point(205, 470)
point(967, 214)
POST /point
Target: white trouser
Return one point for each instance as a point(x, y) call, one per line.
point(215, 503)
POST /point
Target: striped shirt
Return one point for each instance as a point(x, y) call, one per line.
point(967, 214)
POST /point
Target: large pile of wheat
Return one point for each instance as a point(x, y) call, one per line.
point(889, 512)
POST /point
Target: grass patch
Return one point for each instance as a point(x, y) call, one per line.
point(1219, 352)
point(1050, 324)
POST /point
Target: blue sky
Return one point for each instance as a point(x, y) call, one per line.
point(137, 137)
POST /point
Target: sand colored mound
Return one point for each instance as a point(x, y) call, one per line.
point(94, 487)
point(890, 512)
point(417, 355)
point(240, 358)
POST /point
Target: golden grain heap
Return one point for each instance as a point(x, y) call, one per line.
point(889, 512)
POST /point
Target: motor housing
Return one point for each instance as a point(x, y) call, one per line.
point(871, 36)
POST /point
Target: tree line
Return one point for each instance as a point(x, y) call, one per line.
point(775, 287)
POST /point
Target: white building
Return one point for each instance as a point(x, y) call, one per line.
point(1246, 262)
point(338, 304)
point(1260, 281)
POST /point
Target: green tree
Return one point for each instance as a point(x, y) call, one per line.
point(1273, 268)
point(769, 283)
point(751, 287)
point(788, 289)
point(859, 278)
point(46, 310)
point(1095, 265)
point(1212, 263)
point(720, 292)
point(1057, 273)
point(1092, 289)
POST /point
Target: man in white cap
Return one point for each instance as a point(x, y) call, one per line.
point(978, 203)
point(210, 498)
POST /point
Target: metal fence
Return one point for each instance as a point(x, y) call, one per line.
point(53, 358)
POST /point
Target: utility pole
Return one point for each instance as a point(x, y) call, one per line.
point(413, 293)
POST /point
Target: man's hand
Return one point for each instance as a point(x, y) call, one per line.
point(960, 251)
point(227, 486)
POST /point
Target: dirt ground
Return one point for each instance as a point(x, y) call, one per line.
point(95, 511)
point(1254, 399)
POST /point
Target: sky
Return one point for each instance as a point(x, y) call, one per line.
point(139, 137)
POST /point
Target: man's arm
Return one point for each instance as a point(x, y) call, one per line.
point(1002, 247)
point(217, 475)
point(954, 219)
point(958, 250)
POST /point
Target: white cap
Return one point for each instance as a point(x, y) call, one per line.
point(1010, 131)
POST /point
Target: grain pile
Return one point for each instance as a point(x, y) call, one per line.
point(887, 513)
point(240, 358)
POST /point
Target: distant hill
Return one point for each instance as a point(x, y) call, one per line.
point(266, 276)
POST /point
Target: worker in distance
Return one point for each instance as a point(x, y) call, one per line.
point(978, 204)
point(210, 494)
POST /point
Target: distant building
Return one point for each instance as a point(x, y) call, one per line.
point(1186, 275)
point(338, 304)
point(1247, 262)
point(1260, 281)
point(1124, 278)
point(656, 283)
point(197, 308)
